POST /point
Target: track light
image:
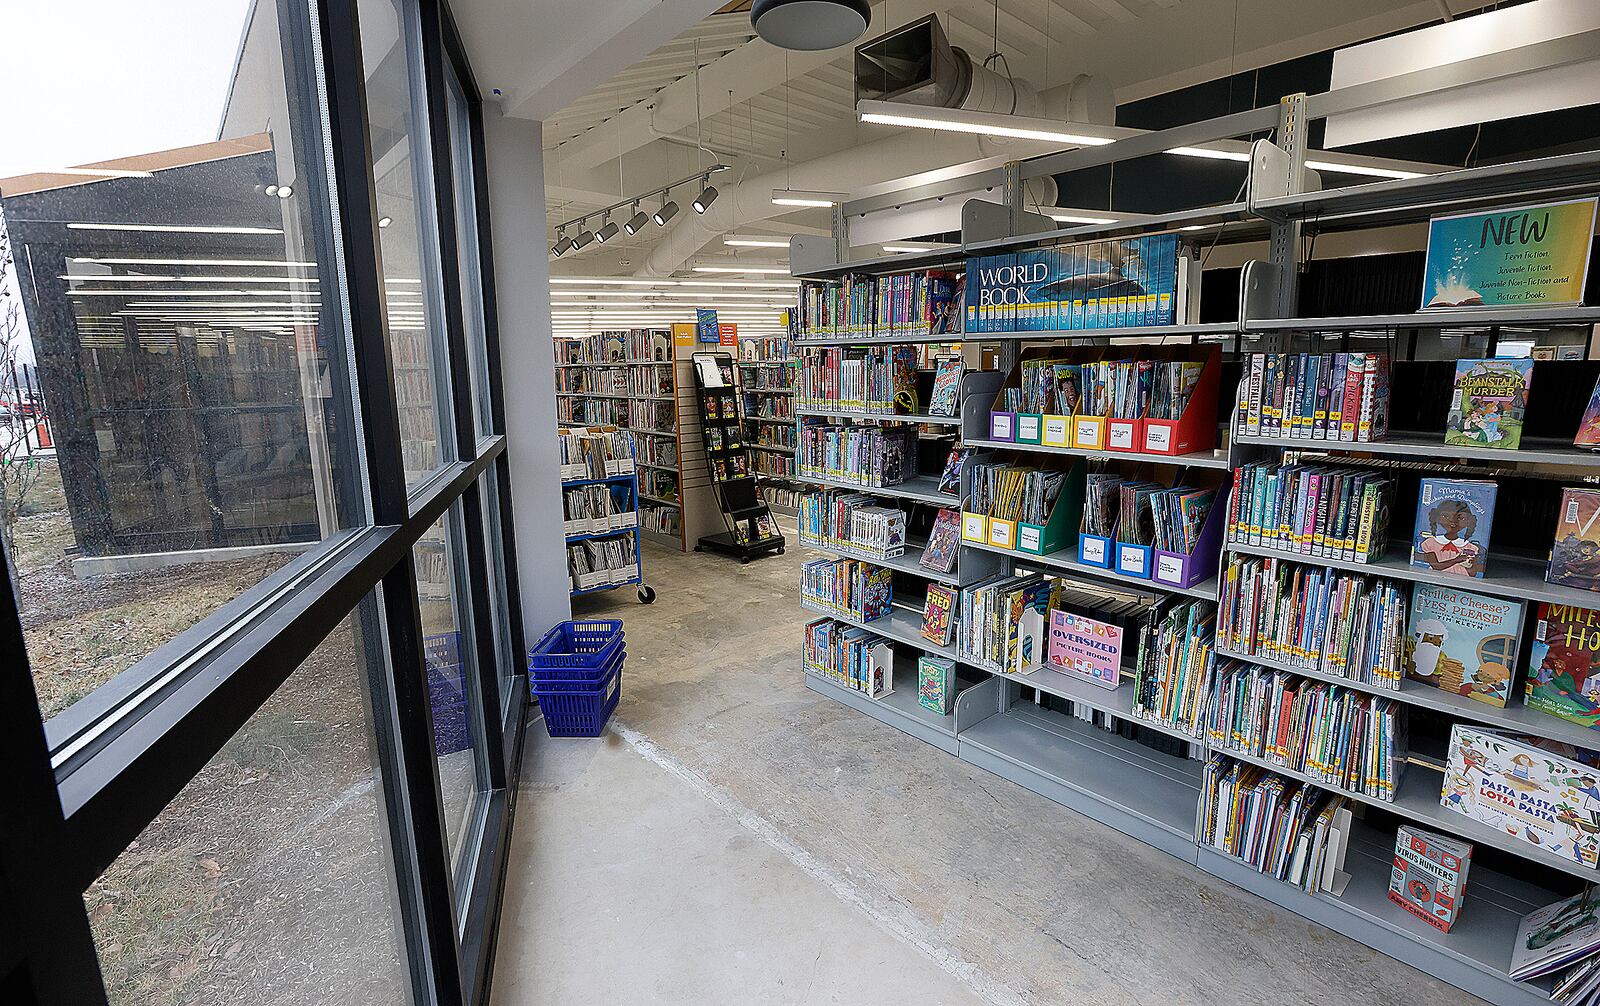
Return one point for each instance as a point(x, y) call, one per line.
point(607, 232)
point(636, 222)
point(707, 196)
point(582, 240)
point(560, 246)
point(668, 210)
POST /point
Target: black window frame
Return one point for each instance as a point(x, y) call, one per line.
point(129, 748)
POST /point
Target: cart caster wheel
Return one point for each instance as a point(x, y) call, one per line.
point(698, 548)
point(647, 595)
point(744, 560)
point(780, 549)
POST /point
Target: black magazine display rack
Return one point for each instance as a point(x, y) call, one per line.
point(751, 531)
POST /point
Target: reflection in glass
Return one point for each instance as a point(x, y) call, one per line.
point(174, 358)
point(451, 661)
point(268, 880)
point(397, 116)
point(471, 268)
point(489, 492)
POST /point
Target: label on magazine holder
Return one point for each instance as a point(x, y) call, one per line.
point(1169, 569)
point(1028, 539)
point(1157, 438)
point(1131, 560)
point(1120, 436)
point(1092, 550)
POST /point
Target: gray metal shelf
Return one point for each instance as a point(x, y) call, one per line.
point(1115, 781)
point(1063, 562)
point(1115, 701)
point(1536, 451)
point(1508, 576)
point(902, 625)
point(900, 709)
point(1466, 317)
point(906, 417)
point(1475, 953)
point(1199, 459)
point(923, 489)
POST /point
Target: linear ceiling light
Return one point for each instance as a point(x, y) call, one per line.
point(107, 277)
point(1212, 153)
point(1078, 218)
point(1371, 170)
point(175, 228)
point(1022, 127)
point(912, 247)
point(806, 197)
point(774, 269)
point(754, 241)
point(198, 261)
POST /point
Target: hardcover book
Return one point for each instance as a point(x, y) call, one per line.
point(943, 400)
point(1564, 664)
point(1524, 790)
point(1429, 875)
point(950, 478)
point(937, 618)
point(1487, 406)
point(1463, 643)
point(1575, 556)
point(1589, 429)
point(1453, 521)
point(943, 542)
point(1557, 935)
point(936, 684)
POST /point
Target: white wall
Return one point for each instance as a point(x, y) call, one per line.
point(515, 163)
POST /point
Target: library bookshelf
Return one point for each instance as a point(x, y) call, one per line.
point(1053, 732)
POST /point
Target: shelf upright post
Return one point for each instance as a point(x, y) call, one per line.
point(1285, 235)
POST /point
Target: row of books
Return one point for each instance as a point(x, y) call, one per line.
point(902, 305)
point(602, 561)
point(764, 378)
point(1124, 283)
point(1315, 396)
point(1173, 663)
point(772, 407)
point(1014, 492)
point(597, 451)
point(652, 415)
point(1338, 737)
point(584, 503)
point(853, 520)
point(768, 463)
point(1136, 512)
point(631, 345)
point(660, 519)
point(661, 452)
point(849, 587)
point(845, 653)
point(989, 619)
point(763, 348)
point(868, 456)
point(855, 378)
point(595, 411)
point(1118, 389)
point(771, 435)
point(1313, 510)
point(1280, 826)
point(663, 485)
point(1340, 624)
point(649, 382)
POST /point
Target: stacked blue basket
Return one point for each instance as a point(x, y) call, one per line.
point(575, 673)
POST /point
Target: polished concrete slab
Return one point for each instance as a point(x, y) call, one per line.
point(737, 838)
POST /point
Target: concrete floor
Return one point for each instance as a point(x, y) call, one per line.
point(737, 838)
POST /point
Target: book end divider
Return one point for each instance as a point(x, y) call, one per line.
point(722, 435)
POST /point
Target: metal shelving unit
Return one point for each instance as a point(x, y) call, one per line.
point(1152, 796)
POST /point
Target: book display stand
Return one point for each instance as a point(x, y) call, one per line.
point(1098, 749)
point(766, 385)
point(751, 531)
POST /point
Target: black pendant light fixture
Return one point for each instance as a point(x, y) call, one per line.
point(809, 25)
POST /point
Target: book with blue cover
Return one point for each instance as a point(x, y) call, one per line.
point(1454, 517)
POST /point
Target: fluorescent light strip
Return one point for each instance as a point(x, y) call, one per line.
point(1211, 153)
point(175, 228)
point(115, 278)
point(806, 197)
point(630, 281)
point(987, 126)
point(1371, 170)
point(754, 269)
point(1075, 218)
point(738, 241)
point(146, 292)
point(94, 172)
point(197, 261)
point(678, 294)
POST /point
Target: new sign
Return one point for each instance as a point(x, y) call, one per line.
point(1524, 256)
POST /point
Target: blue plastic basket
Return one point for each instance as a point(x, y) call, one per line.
point(586, 647)
point(575, 679)
point(580, 712)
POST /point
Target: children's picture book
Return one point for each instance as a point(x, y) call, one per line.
point(1487, 406)
point(1575, 556)
point(938, 614)
point(1463, 643)
point(950, 478)
point(1559, 934)
point(1535, 792)
point(1085, 647)
point(1589, 429)
point(943, 542)
point(1564, 664)
point(936, 684)
point(1429, 875)
point(1453, 521)
point(945, 397)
